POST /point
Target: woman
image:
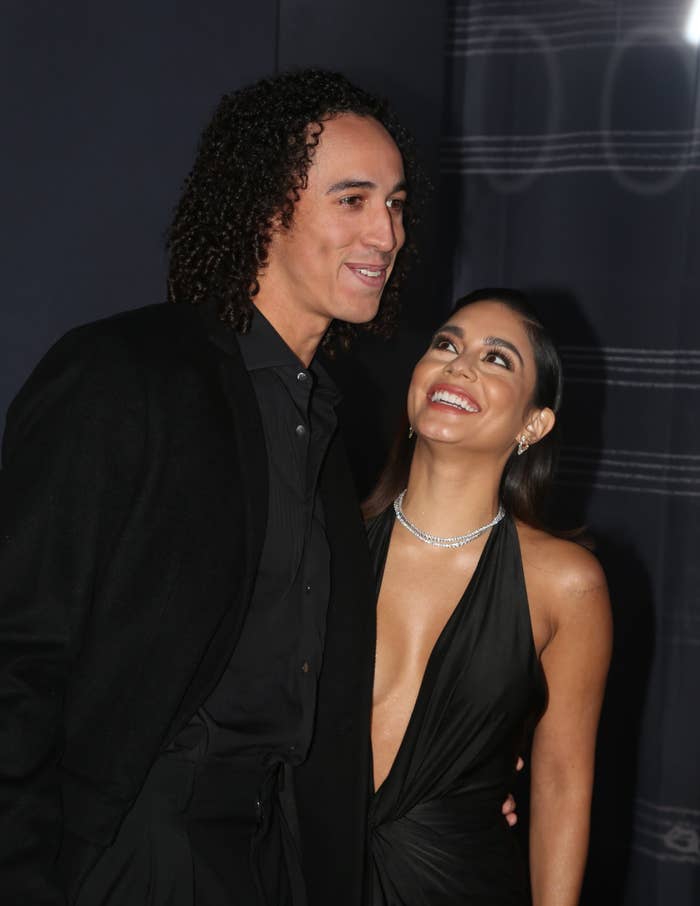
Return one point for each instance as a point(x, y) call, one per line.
point(485, 623)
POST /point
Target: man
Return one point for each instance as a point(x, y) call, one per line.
point(186, 611)
point(186, 599)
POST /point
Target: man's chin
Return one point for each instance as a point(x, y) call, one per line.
point(360, 313)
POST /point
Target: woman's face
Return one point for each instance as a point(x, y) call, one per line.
point(474, 385)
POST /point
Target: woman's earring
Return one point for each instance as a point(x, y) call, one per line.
point(411, 432)
point(523, 445)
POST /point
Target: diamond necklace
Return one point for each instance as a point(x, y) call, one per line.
point(436, 540)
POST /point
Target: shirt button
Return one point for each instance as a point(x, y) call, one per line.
point(300, 430)
point(307, 589)
point(302, 376)
point(305, 667)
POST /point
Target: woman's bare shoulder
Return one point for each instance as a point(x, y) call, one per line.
point(561, 569)
point(568, 593)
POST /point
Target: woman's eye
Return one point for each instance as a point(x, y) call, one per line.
point(396, 204)
point(444, 344)
point(351, 201)
point(498, 358)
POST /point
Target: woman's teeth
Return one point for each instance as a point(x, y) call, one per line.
point(452, 399)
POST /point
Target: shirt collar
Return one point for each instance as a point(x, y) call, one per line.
point(324, 383)
point(262, 347)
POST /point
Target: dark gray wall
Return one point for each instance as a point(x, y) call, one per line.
point(103, 104)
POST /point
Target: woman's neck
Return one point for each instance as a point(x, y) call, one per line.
point(451, 494)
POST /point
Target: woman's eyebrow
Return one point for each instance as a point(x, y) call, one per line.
point(453, 329)
point(505, 344)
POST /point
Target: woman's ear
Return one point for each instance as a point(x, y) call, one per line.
point(539, 424)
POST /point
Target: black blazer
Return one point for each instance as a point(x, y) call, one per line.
point(133, 499)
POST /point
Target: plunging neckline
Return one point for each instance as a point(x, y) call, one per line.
point(461, 603)
point(435, 826)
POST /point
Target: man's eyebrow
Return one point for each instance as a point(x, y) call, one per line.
point(506, 344)
point(346, 184)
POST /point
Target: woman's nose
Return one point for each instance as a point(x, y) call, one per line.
point(461, 364)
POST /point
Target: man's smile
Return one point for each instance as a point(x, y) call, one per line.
point(370, 274)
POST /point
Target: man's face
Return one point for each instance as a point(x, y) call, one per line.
point(335, 259)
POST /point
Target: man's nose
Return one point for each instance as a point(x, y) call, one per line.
point(382, 230)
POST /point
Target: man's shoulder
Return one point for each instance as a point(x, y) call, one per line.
point(161, 338)
point(156, 359)
point(156, 349)
point(153, 328)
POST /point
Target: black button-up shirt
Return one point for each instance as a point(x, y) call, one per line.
point(265, 702)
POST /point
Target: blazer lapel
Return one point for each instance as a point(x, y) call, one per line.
point(250, 439)
point(253, 459)
point(222, 360)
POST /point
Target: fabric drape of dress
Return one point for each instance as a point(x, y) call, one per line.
point(437, 833)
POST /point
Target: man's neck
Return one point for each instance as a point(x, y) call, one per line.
point(301, 334)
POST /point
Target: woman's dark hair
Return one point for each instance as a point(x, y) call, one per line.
point(526, 479)
point(252, 162)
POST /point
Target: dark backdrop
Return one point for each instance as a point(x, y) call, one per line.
point(102, 107)
point(570, 166)
point(563, 142)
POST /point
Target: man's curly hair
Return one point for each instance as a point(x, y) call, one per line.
point(253, 160)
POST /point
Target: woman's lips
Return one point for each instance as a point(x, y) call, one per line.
point(453, 398)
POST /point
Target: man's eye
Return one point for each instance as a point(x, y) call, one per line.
point(396, 204)
point(351, 201)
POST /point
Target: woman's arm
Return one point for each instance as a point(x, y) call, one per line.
point(575, 663)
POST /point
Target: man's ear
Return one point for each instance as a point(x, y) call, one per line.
point(276, 222)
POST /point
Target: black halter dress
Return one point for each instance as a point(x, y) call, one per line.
point(437, 835)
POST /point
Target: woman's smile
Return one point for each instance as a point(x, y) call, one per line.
point(452, 397)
